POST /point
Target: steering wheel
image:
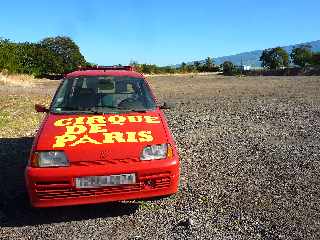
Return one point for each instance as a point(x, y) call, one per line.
point(129, 102)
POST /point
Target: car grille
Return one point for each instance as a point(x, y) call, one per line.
point(74, 193)
point(63, 190)
point(104, 162)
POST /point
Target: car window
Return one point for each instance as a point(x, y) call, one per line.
point(108, 93)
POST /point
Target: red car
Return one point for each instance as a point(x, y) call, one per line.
point(104, 138)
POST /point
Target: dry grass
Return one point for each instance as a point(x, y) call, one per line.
point(18, 95)
point(17, 79)
point(17, 115)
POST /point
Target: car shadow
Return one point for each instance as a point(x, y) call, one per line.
point(15, 209)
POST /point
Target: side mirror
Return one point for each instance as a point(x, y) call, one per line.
point(40, 108)
point(166, 105)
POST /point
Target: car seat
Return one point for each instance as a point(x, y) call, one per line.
point(84, 98)
point(106, 91)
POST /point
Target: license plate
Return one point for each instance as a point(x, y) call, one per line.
point(101, 181)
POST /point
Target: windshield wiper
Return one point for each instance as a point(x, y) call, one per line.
point(96, 109)
point(76, 109)
point(120, 108)
point(133, 110)
point(69, 108)
point(100, 110)
point(105, 106)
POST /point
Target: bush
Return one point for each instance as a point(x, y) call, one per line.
point(228, 68)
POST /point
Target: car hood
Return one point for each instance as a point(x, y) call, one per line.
point(102, 137)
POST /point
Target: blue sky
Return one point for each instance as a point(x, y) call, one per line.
point(162, 32)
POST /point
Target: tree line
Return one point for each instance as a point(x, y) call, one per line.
point(59, 55)
point(278, 58)
point(52, 55)
point(205, 66)
point(271, 59)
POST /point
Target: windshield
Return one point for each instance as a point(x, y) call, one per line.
point(105, 94)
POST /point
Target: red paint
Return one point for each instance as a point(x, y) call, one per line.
point(105, 73)
point(49, 187)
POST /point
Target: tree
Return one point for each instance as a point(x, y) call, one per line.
point(274, 58)
point(191, 68)
point(4, 53)
point(50, 56)
point(209, 66)
point(196, 64)
point(315, 59)
point(136, 65)
point(228, 68)
point(167, 69)
point(133, 63)
point(47, 62)
point(183, 67)
point(67, 49)
point(301, 55)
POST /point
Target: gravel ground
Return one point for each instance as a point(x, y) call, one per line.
point(250, 165)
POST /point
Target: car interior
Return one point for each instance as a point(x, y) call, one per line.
point(106, 92)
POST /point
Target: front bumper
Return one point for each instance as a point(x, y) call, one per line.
point(51, 187)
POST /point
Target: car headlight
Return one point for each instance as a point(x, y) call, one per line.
point(49, 159)
point(154, 152)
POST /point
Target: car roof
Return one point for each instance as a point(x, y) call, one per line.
point(104, 73)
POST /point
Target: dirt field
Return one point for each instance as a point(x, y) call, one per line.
point(250, 156)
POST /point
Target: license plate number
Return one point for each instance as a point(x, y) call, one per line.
point(101, 181)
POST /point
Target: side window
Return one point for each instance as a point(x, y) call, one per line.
point(130, 88)
point(84, 83)
point(106, 86)
point(149, 101)
point(77, 83)
point(60, 97)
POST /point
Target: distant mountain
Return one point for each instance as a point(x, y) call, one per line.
point(252, 58)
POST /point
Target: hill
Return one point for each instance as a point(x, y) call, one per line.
point(252, 58)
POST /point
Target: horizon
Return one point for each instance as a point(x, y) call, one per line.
point(146, 32)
